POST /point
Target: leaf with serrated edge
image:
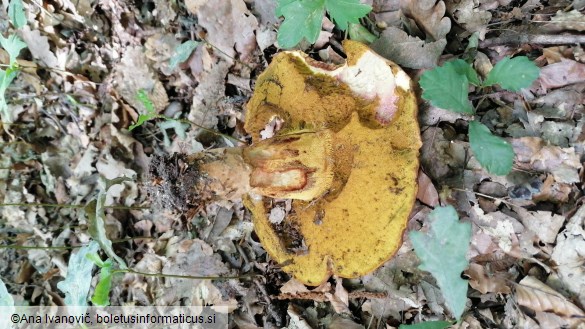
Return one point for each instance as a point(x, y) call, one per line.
point(494, 153)
point(13, 45)
point(302, 19)
point(444, 87)
point(344, 12)
point(442, 252)
point(513, 73)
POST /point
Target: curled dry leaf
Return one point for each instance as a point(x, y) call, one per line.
point(537, 296)
point(427, 193)
point(486, 283)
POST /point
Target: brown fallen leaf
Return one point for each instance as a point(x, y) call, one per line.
point(488, 282)
point(537, 296)
point(560, 74)
point(427, 193)
point(552, 191)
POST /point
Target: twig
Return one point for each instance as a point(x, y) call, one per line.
point(191, 277)
point(319, 296)
point(541, 39)
point(77, 206)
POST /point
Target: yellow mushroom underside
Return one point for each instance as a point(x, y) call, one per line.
point(358, 224)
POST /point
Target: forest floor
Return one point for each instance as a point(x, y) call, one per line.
point(90, 68)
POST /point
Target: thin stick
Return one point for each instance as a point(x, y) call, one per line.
point(163, 275)
point(63, 205)
point(541, 39)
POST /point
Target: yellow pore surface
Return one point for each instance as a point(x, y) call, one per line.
point(358, 224)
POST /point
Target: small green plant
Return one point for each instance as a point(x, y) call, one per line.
point(302, 18)
point(447, 87)
point(150, 111)
point(101, 294)
point(13, 45)
point(442, 252)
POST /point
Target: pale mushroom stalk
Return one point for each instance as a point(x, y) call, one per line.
point(293, 166)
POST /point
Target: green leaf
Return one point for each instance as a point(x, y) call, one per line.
point(302, 19)
point(182, 53)
point(101, 295)
point(78, 281)
point(513, 74)
point(142, 96)
point(344, 12)
point(16, 13)
point(13, 45)
point(359, 33)
point(427, 325)
point(281, 5)
point(442, 252)
point(446, 88)
point(96, 219)
point(462, 67)
point(142, 118)
point(494, 153)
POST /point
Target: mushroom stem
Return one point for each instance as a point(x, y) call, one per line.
point(298, 165)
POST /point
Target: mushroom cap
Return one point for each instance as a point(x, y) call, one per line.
point(370, 108)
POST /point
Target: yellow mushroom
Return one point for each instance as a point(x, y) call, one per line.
point(346, 153)
point(366, 113)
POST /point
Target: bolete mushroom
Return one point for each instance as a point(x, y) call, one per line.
point(346, 153)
